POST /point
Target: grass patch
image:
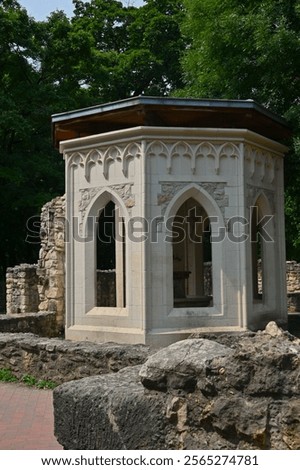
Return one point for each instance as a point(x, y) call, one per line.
point(46, 384)
point(6, 375)
point(34, 382)
point(29, 380)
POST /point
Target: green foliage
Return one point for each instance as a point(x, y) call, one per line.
point(29, 380)
point(250, 49)
point(31, 172)
point(32, 381)
point(7, 376)
point(244, 50)
point(49, 384)
point(126, 56)
point(105, 52)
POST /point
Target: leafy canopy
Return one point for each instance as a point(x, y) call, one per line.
point(241, 49)
point(105, 52)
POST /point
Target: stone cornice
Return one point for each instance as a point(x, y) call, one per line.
point(167, 133)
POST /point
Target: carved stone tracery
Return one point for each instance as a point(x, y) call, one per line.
point(169, 190)
point(193, 151)
point(253, 193)
point(124, 191)
point(105, 156)
point(261, 164)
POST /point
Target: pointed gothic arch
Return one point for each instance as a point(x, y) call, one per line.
point(197, 219)
point(191, 248)
point(262, 247)
point(104, 226)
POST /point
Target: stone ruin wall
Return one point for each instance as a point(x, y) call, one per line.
point(61, 361)
point(31, 289)
point(293, 286)
point(51, 263)
point(293, 276)
point(21, 289)
point(40, 287)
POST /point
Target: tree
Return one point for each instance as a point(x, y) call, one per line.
point(250, 49)
point(30, 171)
point(157, 46)
point(105, 52)
point(126, 56)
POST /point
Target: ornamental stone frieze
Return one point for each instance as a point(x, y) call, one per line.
point(123, 190)
point(169, 190)
point(104, 157)
point(261, 164)
point(192, 151)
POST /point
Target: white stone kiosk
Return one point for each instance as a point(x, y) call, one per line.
point(170, 205)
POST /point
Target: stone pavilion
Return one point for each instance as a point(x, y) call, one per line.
point(174, 217)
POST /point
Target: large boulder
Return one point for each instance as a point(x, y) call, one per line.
point(108, 412)
point(178, 365)
point(233, 392)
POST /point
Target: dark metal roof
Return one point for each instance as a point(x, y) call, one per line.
point(169, 112)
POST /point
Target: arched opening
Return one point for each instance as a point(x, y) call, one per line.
point(192, 256)
point(258, 254)
point(110, 256)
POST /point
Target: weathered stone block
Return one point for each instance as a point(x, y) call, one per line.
point(112, 404)
point(178, 365)
point(247, 396)
point(60, 360)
